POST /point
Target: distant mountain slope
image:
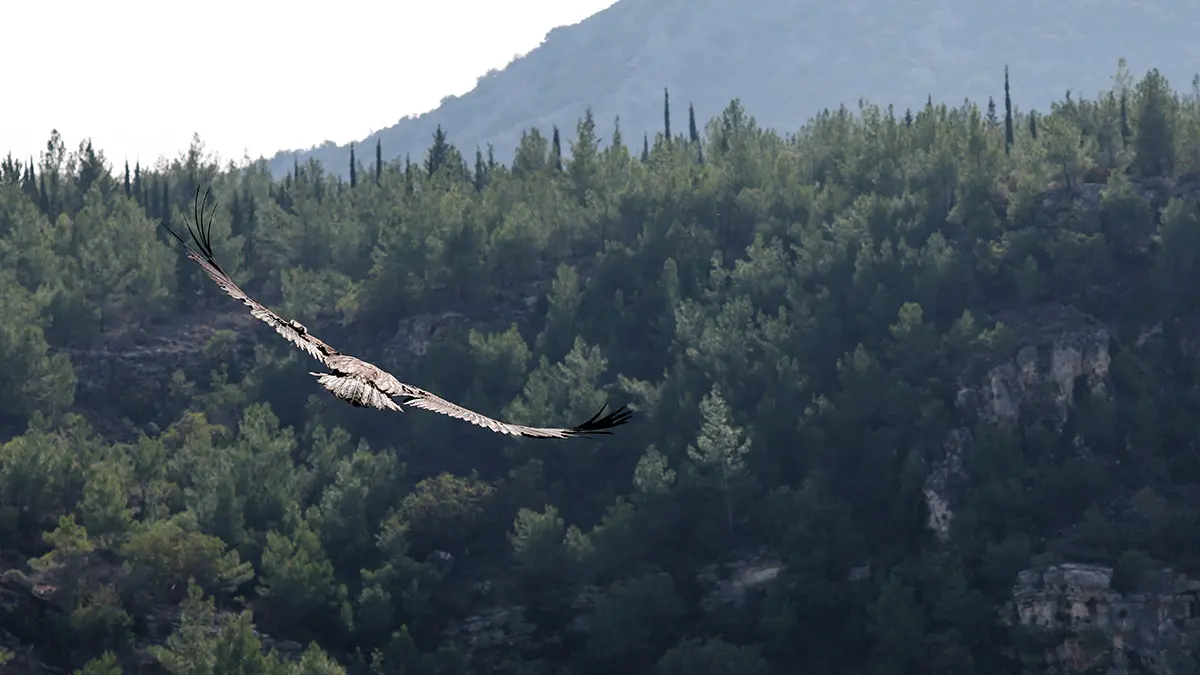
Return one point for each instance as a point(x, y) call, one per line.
point(788, 59)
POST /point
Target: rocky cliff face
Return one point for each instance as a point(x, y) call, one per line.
point(1076, 620)
point(1061, 353)
point(1044, 372)
point(1059, 349)
point(1093, 628)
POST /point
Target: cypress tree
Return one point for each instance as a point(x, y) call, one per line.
point(1033, 125)
point(29, 182)
point(666, 115)
point(439, 152)
point(694, 134)
point(128, 185)
point(353, 168)
point(556, 150)
point(235, 214)
point(249, 227)
point(166, 201)
point(378, 161)
point(138, 188)
point(1126, 131)
point(480, 170)
point(1008, 120)
point(645, 148)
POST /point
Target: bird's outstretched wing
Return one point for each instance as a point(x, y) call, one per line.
point(291, 330)
point(419, 398)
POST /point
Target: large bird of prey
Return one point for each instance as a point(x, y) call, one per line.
point(353, 380)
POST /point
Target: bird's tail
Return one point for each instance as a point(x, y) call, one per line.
point(356, 392)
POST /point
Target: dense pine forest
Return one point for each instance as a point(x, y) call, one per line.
point(803, 323)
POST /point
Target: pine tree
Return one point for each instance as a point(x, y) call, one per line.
point(91, 168)
point(908, 117)
point(992, 120)
point(353, 169)
point(1008, 119)
point(720, 449)
point(10, 171)
point(1154, 142)
point(378, 161)
point(666, 115)
point(556, 150)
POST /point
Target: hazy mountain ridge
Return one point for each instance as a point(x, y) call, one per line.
point(788, 60)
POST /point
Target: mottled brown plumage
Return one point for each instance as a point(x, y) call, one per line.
point(355, 381)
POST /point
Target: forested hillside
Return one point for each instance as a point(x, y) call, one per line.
point(803, 323)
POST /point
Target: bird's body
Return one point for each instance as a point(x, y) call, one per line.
point(364, 384)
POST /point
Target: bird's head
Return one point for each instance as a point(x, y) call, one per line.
point(299, 327)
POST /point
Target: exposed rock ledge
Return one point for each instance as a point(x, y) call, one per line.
point(1095, 629)
point(1059, 347)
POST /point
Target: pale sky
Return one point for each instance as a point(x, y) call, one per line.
point(250, 76)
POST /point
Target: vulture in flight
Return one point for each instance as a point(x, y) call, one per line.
point(353, 380)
